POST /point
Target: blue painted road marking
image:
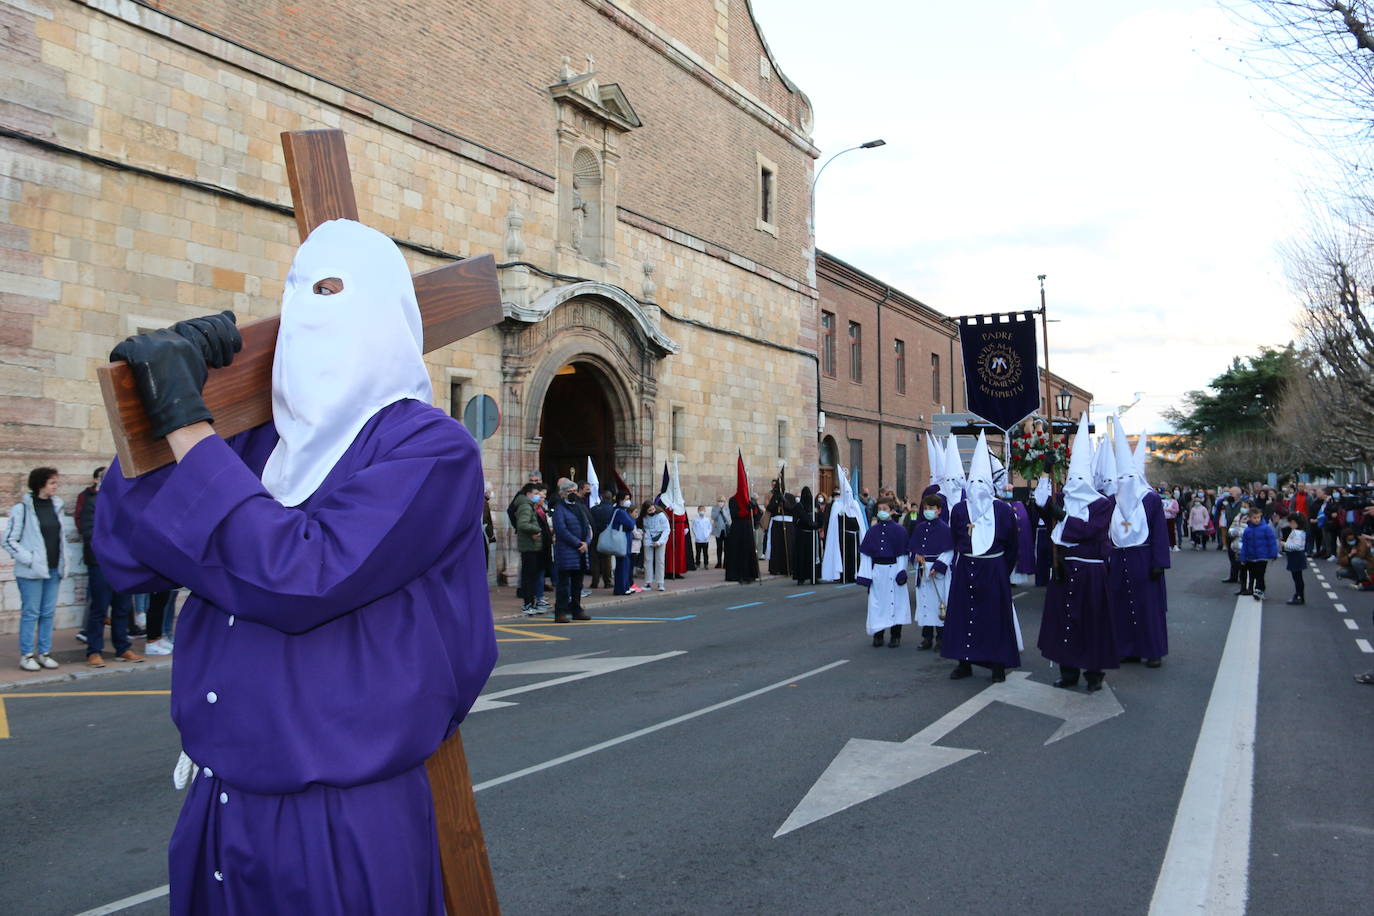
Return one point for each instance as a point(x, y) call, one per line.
point(669, 619)
point(801, 594)
point(738, 606)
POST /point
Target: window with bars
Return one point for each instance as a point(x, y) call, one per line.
point(856, 352)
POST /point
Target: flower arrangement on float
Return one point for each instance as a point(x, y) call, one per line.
point(1034, 451)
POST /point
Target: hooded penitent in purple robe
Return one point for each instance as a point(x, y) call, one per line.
point(979, 627)
point(326, 651)
point(1077, 628)
point(1140, 601)
point(1025, 540)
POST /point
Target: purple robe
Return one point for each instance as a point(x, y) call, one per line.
point(1025, 539)
point(326, 651)
point(1044, 546)
point(1141, 604)
point(978, 614)
point(1078, 629)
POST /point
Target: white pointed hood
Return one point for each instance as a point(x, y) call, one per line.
point(340, 358)
point(832, 563)
point(1129, 527)
point(1104, 465)
point(673, 498)
point(981, 497)
point(1079, 492)
point(952, 473)
point(935, 457)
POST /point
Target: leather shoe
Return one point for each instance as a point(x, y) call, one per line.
point(999, 674)
point(1231, 581)
point(128, 655)
point(963, 670)
point(582, 616)
point(562, 618)
point(878, 640)
point(1066, 682)
point(925, 644)
point(1153, 662)
point(95, 660)
point(894, 641)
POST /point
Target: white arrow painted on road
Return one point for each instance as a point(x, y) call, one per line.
point(576, 667)
point(866, 768)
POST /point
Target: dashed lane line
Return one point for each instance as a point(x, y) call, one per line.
point(740, 606)
point(1351, 625)
point(1341, 608)
point(127, 902)
point(1365, 647)
point(1332, 595)
point(801, 594)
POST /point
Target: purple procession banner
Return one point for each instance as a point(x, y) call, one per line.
point(1001, 370)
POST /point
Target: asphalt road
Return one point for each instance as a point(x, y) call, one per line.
point(719, 725)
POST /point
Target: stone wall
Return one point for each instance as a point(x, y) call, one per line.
point(147, 185)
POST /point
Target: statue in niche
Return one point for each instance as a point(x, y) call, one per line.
point(579, 214)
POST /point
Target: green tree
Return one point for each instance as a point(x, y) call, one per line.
point(1240, 401)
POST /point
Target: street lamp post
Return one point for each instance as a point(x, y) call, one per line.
point(871, 144)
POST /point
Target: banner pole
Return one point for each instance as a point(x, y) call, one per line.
point(1045, 328)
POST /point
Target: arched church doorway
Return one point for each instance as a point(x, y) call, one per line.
point(577, 422)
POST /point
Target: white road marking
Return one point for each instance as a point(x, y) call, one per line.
point(127, 902)
point(1351, 625)
point(1365, 647)
point(1020, 594)
point(1206, 867)
point(1341, 608)
point(677, 720)
point(580, 666)
point(866, 768)
point(1332, 595)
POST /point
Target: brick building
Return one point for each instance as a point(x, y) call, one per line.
point(640, 171)
point(889, 364)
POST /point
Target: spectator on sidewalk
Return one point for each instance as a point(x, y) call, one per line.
point(621, 520)
point(162, 611)
point(702, 531)
point(1258, 545)
point(1198, 520)
point(601, 515)
point(488, 527)
point(34, 538)
point(1352, 557)
point(655, 545)
point(102, 600)
point(572, 531)
point(529, 540)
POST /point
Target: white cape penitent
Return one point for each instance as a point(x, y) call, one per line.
point(1129, 527)
point(1079, 492)
point(340, 358)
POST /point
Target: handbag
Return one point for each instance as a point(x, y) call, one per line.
point(611, 543)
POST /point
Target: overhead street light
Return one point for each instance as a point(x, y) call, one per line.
point(1062, 401)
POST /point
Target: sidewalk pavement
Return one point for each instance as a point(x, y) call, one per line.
point(505, 607)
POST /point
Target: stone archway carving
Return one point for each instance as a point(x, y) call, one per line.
point(592, 323)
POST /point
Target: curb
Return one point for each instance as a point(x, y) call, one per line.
point(83, 673)
point(628, 599)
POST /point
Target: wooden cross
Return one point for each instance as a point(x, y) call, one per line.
point(456, 301)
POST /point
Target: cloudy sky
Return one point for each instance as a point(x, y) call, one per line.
point(1113, 146)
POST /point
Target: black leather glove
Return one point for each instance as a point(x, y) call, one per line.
point(170, 372)
point(1157, 573)
point(1052, 511)
point(215, 336)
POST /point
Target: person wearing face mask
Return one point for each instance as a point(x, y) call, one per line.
point(656, 531)
point(701, 538)
point(882, 570)
point(931, 545)
point(624, 565)
point(529, 540)
point(34, 538)
point(720, 527)
point(1352, 557)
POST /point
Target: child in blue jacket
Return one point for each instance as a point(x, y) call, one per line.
point(1258, 545)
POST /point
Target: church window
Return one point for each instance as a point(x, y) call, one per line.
point(455, 399)
point(899, 346)
point(677, 429)
point(856, 352)
point(828, 343)
point(767, 196)
point(935, 377)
